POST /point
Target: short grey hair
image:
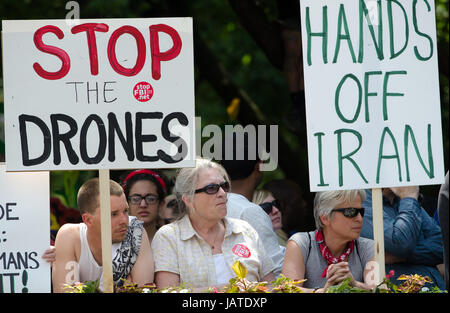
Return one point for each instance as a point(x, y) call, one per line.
point(187, 178)
point(326, 201)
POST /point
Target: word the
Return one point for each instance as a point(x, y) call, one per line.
point(90, 89)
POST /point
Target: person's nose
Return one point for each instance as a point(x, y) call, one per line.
point(143, 203)
point(221, 192)
point(359, 217)
point(124, 219)
point(275, 209)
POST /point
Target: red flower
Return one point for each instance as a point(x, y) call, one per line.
point(390, 275)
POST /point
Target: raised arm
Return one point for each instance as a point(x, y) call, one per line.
point(402, 226)
point(144, 268)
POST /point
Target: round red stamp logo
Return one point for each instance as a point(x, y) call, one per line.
point(241, 251)
point(143, 91)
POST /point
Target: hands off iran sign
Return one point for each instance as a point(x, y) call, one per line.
point(372, 93)
point(116, 93)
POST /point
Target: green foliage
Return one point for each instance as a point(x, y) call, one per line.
point(129, 287)
point(64, 185)
point(345, 287)
point(91, 286)
point(286, 285)
point(413, 283)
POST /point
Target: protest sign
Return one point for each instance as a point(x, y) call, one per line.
point(372, 93)
point(102, 94)
point(99, 94)
point(24, 231)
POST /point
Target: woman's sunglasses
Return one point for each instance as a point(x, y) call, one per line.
point(212, 189)
point(268, 206)
point(350, 212)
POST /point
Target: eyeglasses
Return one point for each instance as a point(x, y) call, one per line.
point(149, 199)
point(350, 212)
point(268, 206)
point(212, 189)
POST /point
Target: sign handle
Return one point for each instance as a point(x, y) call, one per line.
point(378, 232)
point(105, 220)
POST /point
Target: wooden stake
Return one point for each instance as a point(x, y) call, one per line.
point(105, 220)
point(378, 232)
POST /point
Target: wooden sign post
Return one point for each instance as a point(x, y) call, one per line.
point(105, 220)
point(378, 234)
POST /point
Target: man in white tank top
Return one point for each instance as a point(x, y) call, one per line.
point(78, 246)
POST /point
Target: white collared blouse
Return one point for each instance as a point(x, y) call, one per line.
point(179, 249)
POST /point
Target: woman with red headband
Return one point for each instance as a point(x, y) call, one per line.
point(145, 191)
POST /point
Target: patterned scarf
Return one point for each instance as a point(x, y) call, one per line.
point(327, 254)
point(128, 252)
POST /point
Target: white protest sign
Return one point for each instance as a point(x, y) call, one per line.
point(372, 93)
point(24, 231)
point(102, 94)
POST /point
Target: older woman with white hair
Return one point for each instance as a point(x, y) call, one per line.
point(199, 249)
point(334, 251)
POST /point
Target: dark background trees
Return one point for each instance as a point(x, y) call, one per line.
point(247, 64)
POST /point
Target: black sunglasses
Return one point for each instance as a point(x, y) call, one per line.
point(268, 206)
point(212, 189)
point(149, 199)
point(350, 212)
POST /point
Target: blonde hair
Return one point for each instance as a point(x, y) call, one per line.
point(187, 178)
point(260, 195)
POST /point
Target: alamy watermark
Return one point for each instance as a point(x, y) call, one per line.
point(232, 142)
point(73, 16)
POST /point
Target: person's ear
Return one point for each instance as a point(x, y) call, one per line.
point(325, 219)
point(188, 201)
point(87, 219)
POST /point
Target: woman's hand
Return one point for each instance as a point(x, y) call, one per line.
point(336, 273)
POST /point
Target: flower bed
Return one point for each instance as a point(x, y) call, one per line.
point(239, 284)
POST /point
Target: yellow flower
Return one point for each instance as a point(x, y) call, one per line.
point(233, 108)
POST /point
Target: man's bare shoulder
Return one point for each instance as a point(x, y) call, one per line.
point(68, 241)
point(68, 233)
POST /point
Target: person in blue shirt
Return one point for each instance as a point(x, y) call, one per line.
point(412, 239)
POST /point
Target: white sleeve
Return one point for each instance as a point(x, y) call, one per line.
point(261, 222)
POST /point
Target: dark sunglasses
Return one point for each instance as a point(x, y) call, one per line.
point(212, 189)
point(350, 212)
point(268, 206)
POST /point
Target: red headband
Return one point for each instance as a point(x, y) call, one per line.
point(149, 172)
